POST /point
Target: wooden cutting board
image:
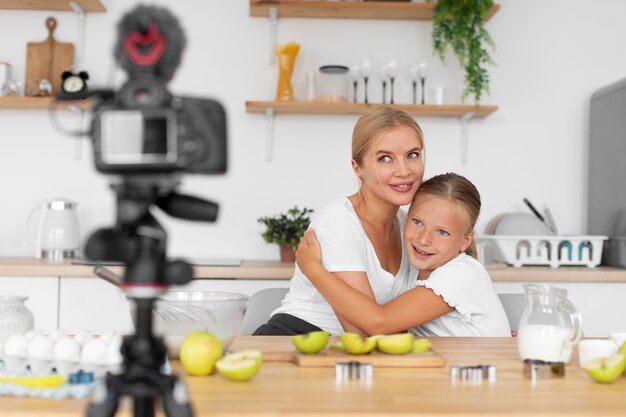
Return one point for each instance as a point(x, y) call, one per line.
point(47, 60)
point(329, 357)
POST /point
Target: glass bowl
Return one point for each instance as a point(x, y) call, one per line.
point(176, 313)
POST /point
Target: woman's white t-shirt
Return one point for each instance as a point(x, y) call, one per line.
point(465, 285)
point(345, 247)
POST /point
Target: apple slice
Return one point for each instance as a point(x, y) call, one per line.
point(312, 342)
point(622, 350)
point(606, 370)
point(396, 344)
point(240, 366)
point(421, 345)
point(356, 344)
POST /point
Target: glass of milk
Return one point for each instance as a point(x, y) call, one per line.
point(550, 325)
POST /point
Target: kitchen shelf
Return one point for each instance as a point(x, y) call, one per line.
point(40, 103)
point(90, 6)
point(349, 9)
point(419, 110)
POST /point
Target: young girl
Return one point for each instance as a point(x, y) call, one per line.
point(453, 295)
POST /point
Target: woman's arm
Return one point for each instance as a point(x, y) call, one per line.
point(413, 308)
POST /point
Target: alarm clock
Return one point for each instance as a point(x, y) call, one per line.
point(74, 84)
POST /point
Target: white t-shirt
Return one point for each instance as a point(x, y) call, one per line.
point(465, 285)
point(345, 247)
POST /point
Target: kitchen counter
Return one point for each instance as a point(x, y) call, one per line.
point(290, 391)
point(259, 269)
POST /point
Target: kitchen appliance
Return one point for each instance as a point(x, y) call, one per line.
point(606, 197)
point(56, 235)
point(550, 325)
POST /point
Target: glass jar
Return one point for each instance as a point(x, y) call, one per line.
point(333, 84)
point(15, 317)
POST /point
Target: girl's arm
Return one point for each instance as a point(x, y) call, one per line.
point(413, 308)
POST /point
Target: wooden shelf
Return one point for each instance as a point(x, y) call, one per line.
point(90, 6)
point(424, 110)
point(349, 9)
point(39, 103)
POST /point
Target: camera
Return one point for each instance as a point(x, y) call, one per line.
point(143, 129)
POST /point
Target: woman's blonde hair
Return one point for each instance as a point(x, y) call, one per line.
point(376, 122)
point(458, 189)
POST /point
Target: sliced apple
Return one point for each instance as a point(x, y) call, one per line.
point(240, 366)
point(337, 346)
point(356, 344)
point(622, 350)
point(421, 345)
point(312, 342)
point(606, 370)
point(395, 344)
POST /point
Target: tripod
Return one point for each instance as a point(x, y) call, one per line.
point(139, 241)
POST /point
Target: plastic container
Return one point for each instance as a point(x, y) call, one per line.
point(549, 250)
point(333, 84)
point(15, 317)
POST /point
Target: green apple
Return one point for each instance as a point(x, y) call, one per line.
point(396, 344)
point(421, 345)
point(356, 344)
point(606, 370)
point(240, 366)
point(311, 342)
point(199, 351)
point(622, 350)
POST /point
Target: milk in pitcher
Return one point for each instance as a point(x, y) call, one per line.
point(544, 342)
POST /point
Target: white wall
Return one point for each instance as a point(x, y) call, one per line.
point(550, 57)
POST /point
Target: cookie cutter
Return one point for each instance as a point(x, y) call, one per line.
point(353, 370)
point(536, 370)
point(477, 374)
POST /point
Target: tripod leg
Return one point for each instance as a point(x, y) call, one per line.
point(176, 403)
point(143, 407)
point(104, 401)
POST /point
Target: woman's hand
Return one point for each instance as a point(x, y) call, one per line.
point(309, 253)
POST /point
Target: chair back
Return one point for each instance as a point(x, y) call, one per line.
point(260, 306)
point(514, 305)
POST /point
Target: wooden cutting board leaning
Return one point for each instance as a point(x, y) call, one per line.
point(46, 61)
point(329, 357)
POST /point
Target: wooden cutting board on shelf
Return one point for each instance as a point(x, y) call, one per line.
point(329, 357)
point(47, 60)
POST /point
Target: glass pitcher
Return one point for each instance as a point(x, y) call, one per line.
point(15, 317)
point(550, 325)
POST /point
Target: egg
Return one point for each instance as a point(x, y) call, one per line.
point(83, 338)
point(16, 345)
point(67, 349)
point(31, 334)
point(57, 334)
point(94, 352)
point(114, 354)
point(40, 347)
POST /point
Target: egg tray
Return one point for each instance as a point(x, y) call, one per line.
point(555, 251)
point(19, 364)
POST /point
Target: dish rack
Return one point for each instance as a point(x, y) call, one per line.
point(555, 251)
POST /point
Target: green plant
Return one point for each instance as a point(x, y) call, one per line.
point(286, 229)
point(460, 25)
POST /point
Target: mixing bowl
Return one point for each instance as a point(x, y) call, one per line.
point(176, 313)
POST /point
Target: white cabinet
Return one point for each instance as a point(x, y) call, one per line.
point(42, 293)
point(92, 304)
point(601, 304)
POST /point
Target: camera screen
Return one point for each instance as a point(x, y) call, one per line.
point(138, 137)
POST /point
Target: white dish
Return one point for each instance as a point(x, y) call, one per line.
point(520, 224)
point(594, 348)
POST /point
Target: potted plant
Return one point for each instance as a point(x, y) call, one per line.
point(286, 229)
point(460, 25)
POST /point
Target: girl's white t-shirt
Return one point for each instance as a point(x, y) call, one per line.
point(465, 285)
point(345, 247)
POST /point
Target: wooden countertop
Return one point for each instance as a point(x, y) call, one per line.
point(260, 269)
point(286, 390)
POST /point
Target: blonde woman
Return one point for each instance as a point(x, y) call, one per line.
point(361, 235)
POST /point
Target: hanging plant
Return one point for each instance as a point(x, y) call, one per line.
point(460, 25)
